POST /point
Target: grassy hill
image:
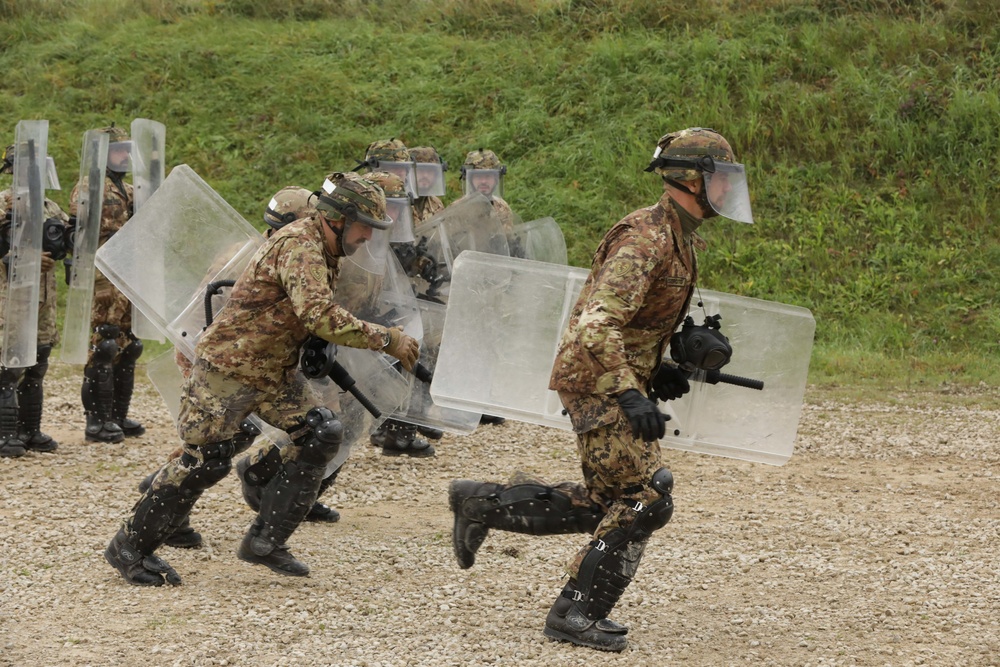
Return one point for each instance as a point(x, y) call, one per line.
point(869, 129)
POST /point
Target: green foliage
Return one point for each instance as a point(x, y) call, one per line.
point(868, 126)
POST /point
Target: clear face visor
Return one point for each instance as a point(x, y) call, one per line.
point(398, 208)
point(51, 177)
point(430, 179)
point(370, 246)
point(487, 182)
point(727, 191)
point(120, 156)
point(405, 172)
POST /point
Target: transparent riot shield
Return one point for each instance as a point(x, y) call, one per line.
point(80, 296)
point(421, 409)
point(467, 224)
point(20, 330)
point(206, 244)
point(148, 170)
point(504, 321)
point(540, 240)
point(198, 239)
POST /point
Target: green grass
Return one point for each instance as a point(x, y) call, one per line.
point(869, 129)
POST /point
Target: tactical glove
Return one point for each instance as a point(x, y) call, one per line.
point(403, 347)
point(669, 383)
point(647, 422)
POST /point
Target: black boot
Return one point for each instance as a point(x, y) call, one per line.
point(567, 620)
point(136, 568)
point(124, 377)
point(321, 513)
point(30, 396)
point(258, 549)
point(97, 394)
point(467, 535)
point(11, 445)
point(400, 439)
point(184, 536)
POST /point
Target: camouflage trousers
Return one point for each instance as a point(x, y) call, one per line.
point(617, 467)
point(47, 331)
point(110, 307)
point(214, 404)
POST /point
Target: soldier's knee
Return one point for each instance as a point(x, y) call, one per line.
point(656, 513)
point(131, 353)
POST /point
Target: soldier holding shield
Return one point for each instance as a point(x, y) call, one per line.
point(609, 359)
point(21, 391)
point(246, 362)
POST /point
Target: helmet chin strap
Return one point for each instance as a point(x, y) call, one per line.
point(701, 197)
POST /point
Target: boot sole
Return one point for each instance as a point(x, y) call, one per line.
point(253, 560)
point(558, 635)
point(94, 438)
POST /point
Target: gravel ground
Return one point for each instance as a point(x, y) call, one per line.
point(875, 545)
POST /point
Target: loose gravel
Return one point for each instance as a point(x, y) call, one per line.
point(876, 544)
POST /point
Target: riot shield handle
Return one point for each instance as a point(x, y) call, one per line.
point(319, 359)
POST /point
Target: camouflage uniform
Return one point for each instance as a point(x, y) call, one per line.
point(487, 159)
point(424, 208)
point(109, 374)
point(29, 381)
point(640, 285)
point(245, 362)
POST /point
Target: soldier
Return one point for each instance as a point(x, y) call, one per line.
point(482, 172)
point(109, 374)
point(430, 170)
point(289, 204)
point(21, 391)
point(641, 281)
point(246, 362)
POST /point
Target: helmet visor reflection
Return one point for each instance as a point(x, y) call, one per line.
point(430, 179)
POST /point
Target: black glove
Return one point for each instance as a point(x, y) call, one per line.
point(669, 383)
point(647, 422)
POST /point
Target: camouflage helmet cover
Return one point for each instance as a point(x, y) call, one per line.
point(483, 159)
point(690, 143)
point(353, 196)
point(388, 150)
point(288, 205)
point(115, 133)
point(427, 154)
point(391, 184)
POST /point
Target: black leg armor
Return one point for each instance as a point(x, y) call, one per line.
point(580, 614)
point(30, 397)
point(11, 445)
point(523, 508)
point(124, 383)
point(254, 476)
point(98, 390)
point(290, 494)
point(164, 507)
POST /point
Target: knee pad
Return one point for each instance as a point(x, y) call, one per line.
point(131, 352)
point(322, 444)
point(105, 352)
point(203, 474)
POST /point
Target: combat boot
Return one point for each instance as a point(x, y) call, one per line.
point(135, 567)
point(567, 621)
point(11, 445)
point(98, 430)
point(184, 536)
point(261, 551)
point(400, 439)
point(430, 433)
point(467, 534)
point(30, 396)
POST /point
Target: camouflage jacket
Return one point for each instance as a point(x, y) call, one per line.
point(424, 208)
point(504, 214)
point(284, 295)
point(117, 208)
point(636, 295)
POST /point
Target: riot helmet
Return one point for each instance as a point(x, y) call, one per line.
point(482, 172)
point(289, 204)
point(398, 204)
point(430, 170)
point(698, 152)
point(119, 149)
point(354, 200)
point(391, 155)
